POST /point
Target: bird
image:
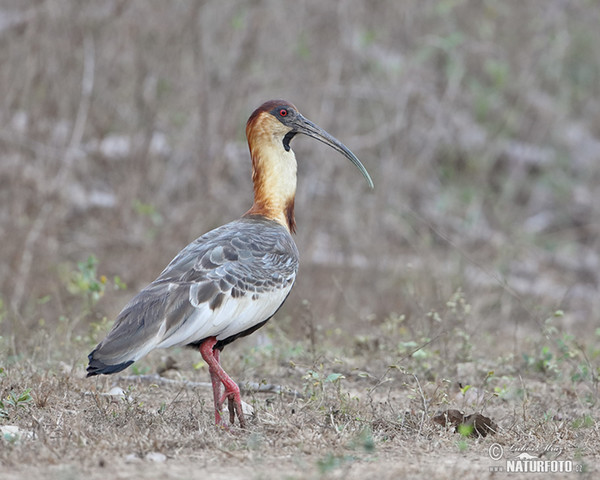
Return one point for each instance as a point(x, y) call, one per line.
point(230, 281)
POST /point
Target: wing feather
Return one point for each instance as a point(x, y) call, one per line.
point(224, 283)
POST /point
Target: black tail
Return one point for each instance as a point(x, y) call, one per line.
point(97, 367)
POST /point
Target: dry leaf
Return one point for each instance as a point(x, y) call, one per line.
point(480, 425)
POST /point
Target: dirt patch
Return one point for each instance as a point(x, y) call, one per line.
point(348, 427)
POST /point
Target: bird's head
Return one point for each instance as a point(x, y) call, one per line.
point(279, 121)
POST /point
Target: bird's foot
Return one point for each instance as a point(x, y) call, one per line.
point(234, 405)
point(220, 379)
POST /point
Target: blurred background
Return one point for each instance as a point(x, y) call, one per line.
point(122, 139)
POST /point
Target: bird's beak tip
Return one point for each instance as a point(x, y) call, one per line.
point(307, 127)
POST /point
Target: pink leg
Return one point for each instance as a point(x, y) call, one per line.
point(216, 384)
point(218, 377)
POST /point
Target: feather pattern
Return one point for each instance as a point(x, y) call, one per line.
point(224, 284)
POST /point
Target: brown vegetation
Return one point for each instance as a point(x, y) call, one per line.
point(473, 268)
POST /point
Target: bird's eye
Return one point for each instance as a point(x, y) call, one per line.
point(283, 112)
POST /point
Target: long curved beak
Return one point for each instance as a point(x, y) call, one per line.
point(305, 126)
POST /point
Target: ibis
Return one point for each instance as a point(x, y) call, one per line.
point(230, 281)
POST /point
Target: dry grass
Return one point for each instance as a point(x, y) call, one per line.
point(348, 421)
point(121, 140)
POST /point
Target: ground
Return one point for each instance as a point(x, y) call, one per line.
point(355, 417)
point(468, 279)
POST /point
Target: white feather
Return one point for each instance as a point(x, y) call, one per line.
point(233, 316)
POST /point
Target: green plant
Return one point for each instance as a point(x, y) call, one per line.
point(363, 441)
point(586, 421)
point(85, 282)
point(14, 401)
point(137, 369)
point(459, 310)
point(90, 338)
point(543, 362)
point(87, 286)
point(563, 355)
point(151, 215)
point(330, 462)
point(316, 382)
point(462, 444)
point(465, 429)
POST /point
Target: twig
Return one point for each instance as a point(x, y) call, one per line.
point(87, 85)
point(253, 387)
point(424, 401)
point(230, 454)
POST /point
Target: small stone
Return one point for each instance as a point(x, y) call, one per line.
point(14, 434)
point(116, 392)
point(132, 458)
point(155, 457)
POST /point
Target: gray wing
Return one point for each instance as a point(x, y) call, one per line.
point(226, 282)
